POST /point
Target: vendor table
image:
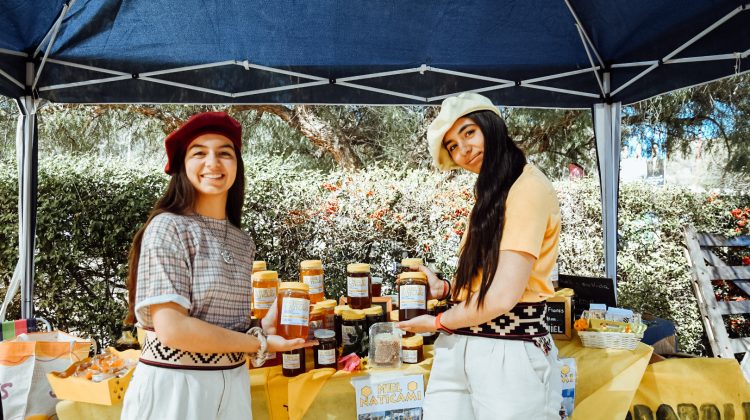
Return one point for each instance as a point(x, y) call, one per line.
point(606, 378)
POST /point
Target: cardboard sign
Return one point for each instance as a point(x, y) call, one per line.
point(589, 290)
point(559, 312)
point(389, 396)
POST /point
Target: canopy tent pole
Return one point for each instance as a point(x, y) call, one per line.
point(27, 156)
point(607, 131)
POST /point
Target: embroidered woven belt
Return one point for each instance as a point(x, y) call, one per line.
point(526, 322)
point(154, 353)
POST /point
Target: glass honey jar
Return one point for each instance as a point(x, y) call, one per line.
point(412, 295)
point(337, 321)
point(358, 286)
point(311, 273)
point(328, 306)
point(412, 349)
point(317, 317)
point(411, 264)
point(293, 306)
point(325, 351)
point(373, 314)
point(259, 266)
point(353, 332)
point(265, 289)
point(293, 362)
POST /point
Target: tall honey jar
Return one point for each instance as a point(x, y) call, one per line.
point(293, 306)
point(412, 295)
point(311, 273)
point(259, 266)
point(328, 306)
point(358, 286)
point(265, 288)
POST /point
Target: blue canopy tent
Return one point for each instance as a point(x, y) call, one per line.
point(533, 53)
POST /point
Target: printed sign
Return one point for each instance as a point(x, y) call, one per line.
point(389, 397)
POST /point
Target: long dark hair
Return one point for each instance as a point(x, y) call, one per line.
point(502, 164)
point(179, 199)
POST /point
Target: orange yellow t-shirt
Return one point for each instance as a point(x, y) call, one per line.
point(532, 225)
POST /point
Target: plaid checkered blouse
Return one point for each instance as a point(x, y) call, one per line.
point(181, 262)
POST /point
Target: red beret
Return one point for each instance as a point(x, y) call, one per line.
point(199, 124)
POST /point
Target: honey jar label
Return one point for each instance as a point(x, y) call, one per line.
point(315, 283)
point(263, 297)
point(357, 287)
point(327, 357)
point(408, 356)
point(295, 311)
point(348, 334)
point(412, 296)
point(290, 361)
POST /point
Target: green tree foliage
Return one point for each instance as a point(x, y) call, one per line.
point(90, 208)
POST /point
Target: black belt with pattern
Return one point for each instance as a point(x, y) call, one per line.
point(526, 321)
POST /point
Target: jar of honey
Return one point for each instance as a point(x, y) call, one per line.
point(317, 315)
point(311, 273)
point(412, 295)
point(265, 288)
point(327, 306)
point(412, 349)
point(377, 286)
point(325, 351)
point(293, 362)
point(411, 264)
point(259, 266)
point(337, 321)
point(358, 286)
point(293, 306)
point(353, 334)
point(373, 314)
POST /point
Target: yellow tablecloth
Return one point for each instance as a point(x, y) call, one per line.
point(606, 378)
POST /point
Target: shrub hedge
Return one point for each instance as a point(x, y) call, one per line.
point(89, 209)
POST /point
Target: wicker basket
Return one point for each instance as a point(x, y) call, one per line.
point(610, 340)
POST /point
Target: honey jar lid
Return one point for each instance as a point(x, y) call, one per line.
point(323, 334)
point(413, 275)
point(316, 310)
point(373, 310)
point(413, 341)
point(326, 304)
point(412, 262)
point(259, 266)
point(353, 315)
point(338, 310)
point(358, 268)
point(266, 275)
point(431, 304)
point(311, 265)
point(294, 285)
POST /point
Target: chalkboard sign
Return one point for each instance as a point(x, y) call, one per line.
point(588, 290)
point(558, 317)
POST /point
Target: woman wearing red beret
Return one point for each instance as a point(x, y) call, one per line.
point(189, 284)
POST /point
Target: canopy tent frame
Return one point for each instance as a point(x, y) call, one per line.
point(606, 112)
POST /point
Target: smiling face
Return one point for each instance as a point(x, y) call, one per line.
point(211, 165)
point(464, 142)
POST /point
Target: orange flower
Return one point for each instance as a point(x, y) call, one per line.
point(581, 324)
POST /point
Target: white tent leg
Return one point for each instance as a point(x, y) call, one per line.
point(607, 131)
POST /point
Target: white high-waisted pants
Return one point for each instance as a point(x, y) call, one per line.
point(486, 378)
point(182, 394)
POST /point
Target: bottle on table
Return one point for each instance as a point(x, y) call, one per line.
point(293, 306)
point(293, 363)
point(325, 351)
point(358, 286)
point(412, 349)
point(412, 295)
point(353, 333)
point(265, 289)
point(311, 273)
point(338, 312)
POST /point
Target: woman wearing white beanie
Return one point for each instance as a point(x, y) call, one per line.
point(496, 359)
